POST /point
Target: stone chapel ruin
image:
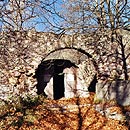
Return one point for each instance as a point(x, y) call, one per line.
point(65, 72)
point(64, 66)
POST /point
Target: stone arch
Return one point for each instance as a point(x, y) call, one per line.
point(65, 68)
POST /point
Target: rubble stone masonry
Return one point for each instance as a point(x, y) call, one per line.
point(22, 52)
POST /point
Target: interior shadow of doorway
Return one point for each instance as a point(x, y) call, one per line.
point(92, 86)
point(52, 69)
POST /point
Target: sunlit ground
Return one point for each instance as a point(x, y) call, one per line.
point(63, 114)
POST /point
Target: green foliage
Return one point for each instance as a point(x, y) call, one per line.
point(96, 100)
point(30, 101)
point(18, 110)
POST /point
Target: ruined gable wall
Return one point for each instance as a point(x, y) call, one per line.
point(22, 52)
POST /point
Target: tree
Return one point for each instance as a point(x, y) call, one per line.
point(98, 13)
point(114, 15)
point(18, 40)
point(101, 16)
point(17, 17)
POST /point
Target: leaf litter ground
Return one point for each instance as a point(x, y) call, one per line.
point(64, 114)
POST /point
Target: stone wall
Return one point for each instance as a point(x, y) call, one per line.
point(22, 52)
point(114, 90)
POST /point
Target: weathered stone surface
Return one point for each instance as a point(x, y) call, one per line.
point(117, 90)
point(22, 51)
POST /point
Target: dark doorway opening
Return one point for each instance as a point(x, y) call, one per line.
point(92, 86)
point(52, 69)
point(58, 81)
point(58, 86)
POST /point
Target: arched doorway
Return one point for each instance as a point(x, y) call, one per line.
point(58, 72)
point(50, 74)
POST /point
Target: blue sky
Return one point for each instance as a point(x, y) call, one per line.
point(52, 18)
point(42, 22)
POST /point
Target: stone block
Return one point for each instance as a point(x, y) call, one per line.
point(118, 90)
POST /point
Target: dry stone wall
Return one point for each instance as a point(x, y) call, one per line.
point(22, 52)
point(114, 90)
